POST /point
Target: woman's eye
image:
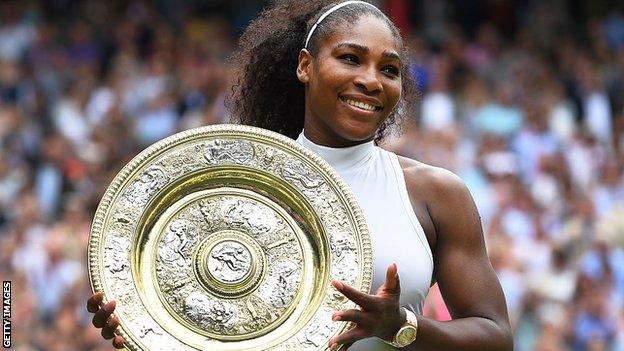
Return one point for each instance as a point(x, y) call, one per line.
point(350, 58)
point(391, 70)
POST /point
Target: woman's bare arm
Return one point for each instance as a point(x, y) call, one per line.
point(463, 271)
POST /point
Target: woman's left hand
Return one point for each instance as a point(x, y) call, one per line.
point(379, 315)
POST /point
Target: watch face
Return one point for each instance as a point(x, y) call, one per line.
point(406, 336)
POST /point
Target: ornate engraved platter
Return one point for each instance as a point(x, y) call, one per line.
point(226, 238)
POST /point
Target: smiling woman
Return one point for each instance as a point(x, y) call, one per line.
point(357, 86)
point(269, 95)
point(334, 76)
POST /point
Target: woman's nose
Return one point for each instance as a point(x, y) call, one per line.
point(368, 80)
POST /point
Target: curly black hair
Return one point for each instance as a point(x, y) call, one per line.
point(267, 93)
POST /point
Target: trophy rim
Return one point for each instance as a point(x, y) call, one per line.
point(143, 158)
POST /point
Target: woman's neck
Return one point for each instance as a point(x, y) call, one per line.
point(343, 159)
point(327, 137)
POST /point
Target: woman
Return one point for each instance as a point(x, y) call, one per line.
point(339, 73)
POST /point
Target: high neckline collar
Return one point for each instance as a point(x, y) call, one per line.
point(341, 159)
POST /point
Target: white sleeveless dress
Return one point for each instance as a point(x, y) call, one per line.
point(377, 180)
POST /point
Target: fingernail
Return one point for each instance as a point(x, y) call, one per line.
point(335, 318)
point(109, 307)
point(337, 284)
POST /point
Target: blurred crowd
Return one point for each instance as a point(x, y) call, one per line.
point(524, 100)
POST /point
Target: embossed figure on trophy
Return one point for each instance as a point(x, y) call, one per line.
point(283, 286)
point(221, 315)
point(234, 261)
point(175, 244)
point(216, 316)
point(315, 335)
point(209, 212)
point(228, 151)
point(152, 180)
point(286, 279)
point(175, 285)
point(260, 316)
point(339, 218)
point(295, 171)
point(183, 161)
point(244, 213)
point(116, 263)
point(267, 156)
point(118, 268)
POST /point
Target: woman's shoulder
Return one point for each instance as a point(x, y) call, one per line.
point(450, 209)
point(439, 198)
point(430, 182)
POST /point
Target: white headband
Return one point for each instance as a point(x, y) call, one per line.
point(328, 12)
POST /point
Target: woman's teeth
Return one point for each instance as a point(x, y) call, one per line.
point(362, 105)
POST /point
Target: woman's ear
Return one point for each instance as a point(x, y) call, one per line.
point(304, 67)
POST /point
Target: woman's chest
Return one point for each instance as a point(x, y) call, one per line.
point(396, 233)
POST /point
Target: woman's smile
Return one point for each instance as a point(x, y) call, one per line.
point(360, 104)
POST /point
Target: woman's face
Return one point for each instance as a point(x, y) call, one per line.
point(353, 83)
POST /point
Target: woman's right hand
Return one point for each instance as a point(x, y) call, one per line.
point(103, 319)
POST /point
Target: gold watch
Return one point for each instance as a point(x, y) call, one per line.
point(407, 333)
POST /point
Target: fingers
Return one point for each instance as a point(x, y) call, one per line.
point(392, 278)
point(355, 316)
point(94, 302)
point(118, 342)
point(392, 285)
point(108, 332)
point(361, 299)
point(101, 316)
point(349, 337)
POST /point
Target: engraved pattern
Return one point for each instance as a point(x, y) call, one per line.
point(150, 174)
point(280, 287)
point(152, 180)
point(318, 331)
point(228, 151)
point(296, 172)
point(239, 213)
point(229, 261)
point(115, 260)
point(183, 162)
point(176, 244)
point(215, 315)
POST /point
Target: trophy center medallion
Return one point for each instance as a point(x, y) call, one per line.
point(229, 262)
